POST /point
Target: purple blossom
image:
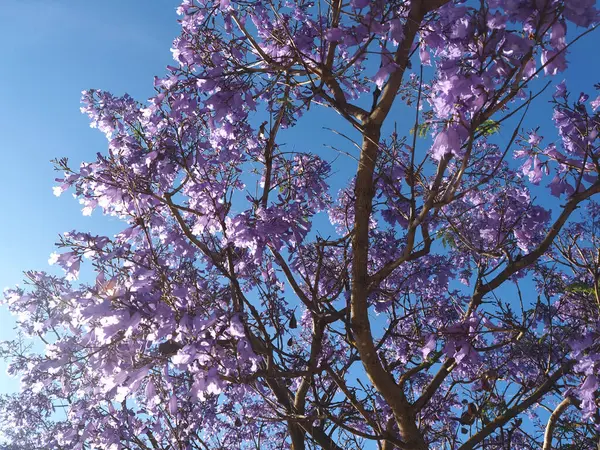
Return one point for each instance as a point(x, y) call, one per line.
point(561, 90)
point(359, 4)
point(387, 67)
point(334, 34)
point(446, 142)
point(553, 62)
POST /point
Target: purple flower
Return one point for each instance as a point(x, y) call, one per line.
point(582, 13)
point(150, 391)
point(424, 56)
point(553, 61)
point(429, 346)
point(388, 66)
point(173, 405)
point(535, 174)
point(586, 393)
point(561, 90)
point(533, 138)
point(446, 142)
point(396, 31)
point(69, 261)
point(557, 36)
point(559, 186)
point(334, 34)
point(359, 4)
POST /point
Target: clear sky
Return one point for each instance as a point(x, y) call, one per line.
point(52, 50)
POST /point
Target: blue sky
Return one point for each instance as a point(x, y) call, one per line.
point(54, 49)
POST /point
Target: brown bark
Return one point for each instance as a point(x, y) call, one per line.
point(552, 422)
point(359, 314)
point(364, 190)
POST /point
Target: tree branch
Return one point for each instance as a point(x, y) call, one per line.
point(534, 255)
point(562, 406)
point(499, 421)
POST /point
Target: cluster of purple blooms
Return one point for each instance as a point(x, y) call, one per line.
point(226, 313)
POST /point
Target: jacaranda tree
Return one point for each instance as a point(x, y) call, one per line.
point(406, 287)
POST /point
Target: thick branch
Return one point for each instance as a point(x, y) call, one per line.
point(433, 386)
point(359, 308)
point(381, 379)
point(552, 422)
point(417, 11)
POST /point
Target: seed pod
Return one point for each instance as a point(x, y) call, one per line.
point(293, 322)
point(468, 417)
point(169, 347)
point(518, 422)
point(261, 130)
point(485, 385)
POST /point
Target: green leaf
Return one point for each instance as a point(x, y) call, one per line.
point(488, 127)
point(448, 240)
point(422, 130)
point(580, 288)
